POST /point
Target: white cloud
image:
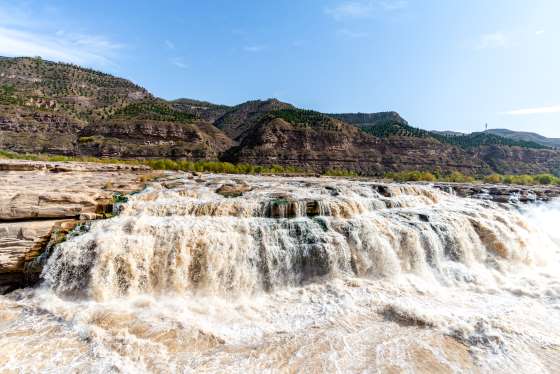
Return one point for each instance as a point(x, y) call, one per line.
point(253, 48)
point(363, 8)
point(539, 32)
point(394, 5)
point(169, 44)
point(528, 111)
point(58, 46)
point(351, 9)
point(492, 40)
point(179, 62)
point(25, 32)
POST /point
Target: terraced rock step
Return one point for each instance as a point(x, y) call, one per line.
point(39, 199)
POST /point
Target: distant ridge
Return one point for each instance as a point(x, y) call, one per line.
point(526, 136)
point(59, 108)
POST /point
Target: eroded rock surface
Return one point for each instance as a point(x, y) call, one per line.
point(38, 199)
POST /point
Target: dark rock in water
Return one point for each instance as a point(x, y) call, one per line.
point(287, 207)
point(424, 218)
point(383, 190)
point(233, 190)
point(312, 208)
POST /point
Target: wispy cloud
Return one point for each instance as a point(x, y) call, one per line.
point(529, 111)
point(394, 5)
point(539, 32)
point(169, 44)
point(351, 9)
point(492, 40)
point(363, 8)
point(75, 48)
point(22, 35)
point(179, 62)
point(253, 48)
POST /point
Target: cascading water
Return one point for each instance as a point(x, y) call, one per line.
point(307, 274)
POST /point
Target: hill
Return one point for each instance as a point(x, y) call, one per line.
point(391, 124)
point(48, 107)
point(56, 108)
point(526, 136)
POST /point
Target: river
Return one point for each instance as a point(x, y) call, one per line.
point(311, 275)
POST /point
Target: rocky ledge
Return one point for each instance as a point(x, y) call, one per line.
point(40, 201)
point(502, 193)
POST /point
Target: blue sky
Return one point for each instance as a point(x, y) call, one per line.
point(441, 64)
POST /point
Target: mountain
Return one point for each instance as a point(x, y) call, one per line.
point(526, 136)
point(202, 109)
point(57, 108)
point(241, 118)
point(391, 124)
point(65, 109)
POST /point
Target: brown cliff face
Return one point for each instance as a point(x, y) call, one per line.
point(276, 141)
point(517, 160)
point(23, 130)
point(153, 139)
point(47, 107)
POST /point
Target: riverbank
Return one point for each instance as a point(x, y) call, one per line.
point(41, 201)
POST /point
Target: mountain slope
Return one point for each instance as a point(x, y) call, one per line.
point(65, 109)
point(320, 142)
point(526, 136)
point(370, 119)
point(238, 121)
point(391, 124)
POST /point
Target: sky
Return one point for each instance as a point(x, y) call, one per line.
point(443, 65)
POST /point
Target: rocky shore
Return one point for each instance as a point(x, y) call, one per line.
point(41, 201)
point(501, 193)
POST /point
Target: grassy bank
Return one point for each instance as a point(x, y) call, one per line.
point(229, 168)
point(180, 165)
point(457, 177)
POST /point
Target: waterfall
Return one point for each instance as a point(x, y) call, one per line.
point(296, 275)
point(189, 239)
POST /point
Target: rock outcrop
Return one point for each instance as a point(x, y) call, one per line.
point(501, 193)
point(41, 199)
point(341, 146)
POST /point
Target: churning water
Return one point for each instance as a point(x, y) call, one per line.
point(296, 275)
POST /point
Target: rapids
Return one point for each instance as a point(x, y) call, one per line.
point(296, 275)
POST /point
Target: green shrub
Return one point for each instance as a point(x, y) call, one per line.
point(411, 176)
point(86, 139)
point(341, 173)
point(519, 179)
point(494, 179)
point(458, 177)
point(546, 179)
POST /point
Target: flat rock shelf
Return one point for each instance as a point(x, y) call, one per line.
point(39, 199)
